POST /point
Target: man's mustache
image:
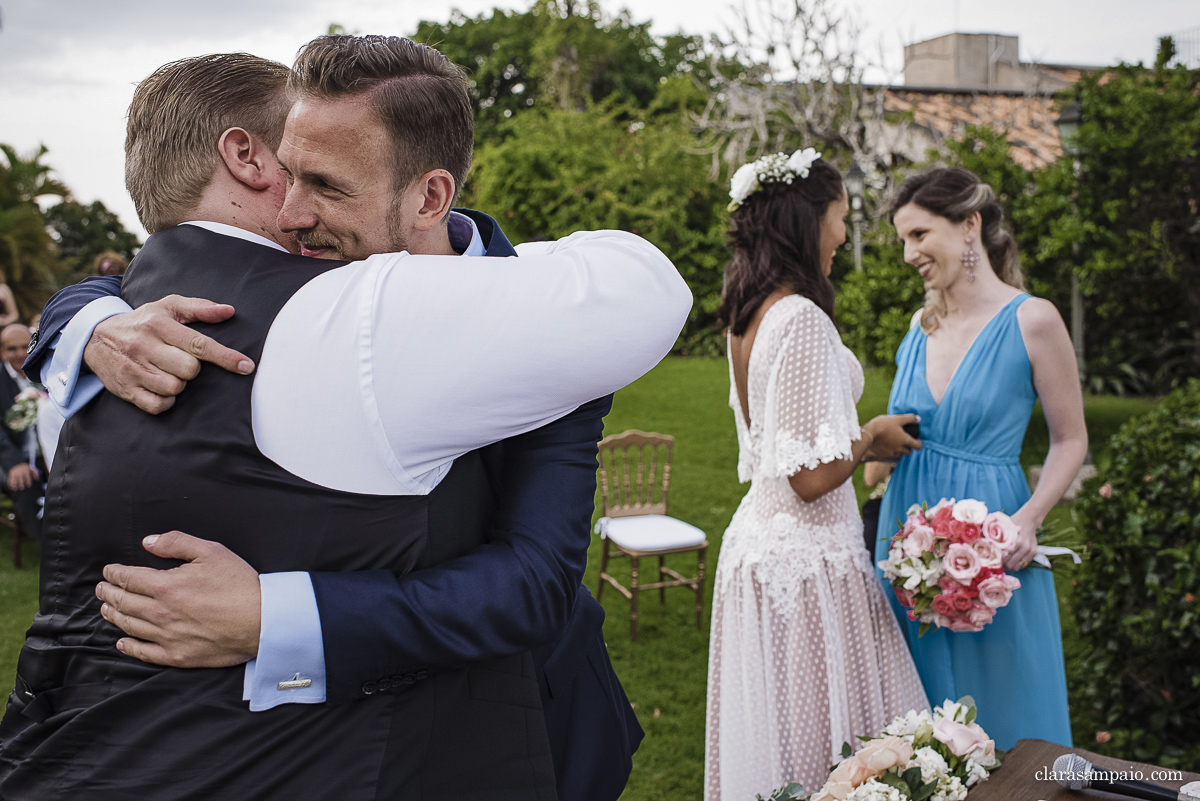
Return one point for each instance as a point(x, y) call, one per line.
point(314, 241)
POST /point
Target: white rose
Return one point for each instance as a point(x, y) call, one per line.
point(744, 181)
point(969, 511)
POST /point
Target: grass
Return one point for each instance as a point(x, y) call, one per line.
point(665, 672)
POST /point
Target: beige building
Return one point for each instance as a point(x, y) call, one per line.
point(966, 79)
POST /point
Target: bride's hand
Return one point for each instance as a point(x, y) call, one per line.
point(889, 440)
point(1020, 556)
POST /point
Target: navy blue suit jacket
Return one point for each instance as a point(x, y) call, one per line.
point(521, 591)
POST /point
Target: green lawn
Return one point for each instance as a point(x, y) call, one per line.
point(664, 673)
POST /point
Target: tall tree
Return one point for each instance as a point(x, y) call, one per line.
point(84, 232)
point(559, 54)
point(28, 257)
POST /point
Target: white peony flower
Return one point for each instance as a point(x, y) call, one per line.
point(744, 181)
point(970, 511)
point(801, 161)
point(908, 725)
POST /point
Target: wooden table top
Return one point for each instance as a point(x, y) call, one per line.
point(1017, 779)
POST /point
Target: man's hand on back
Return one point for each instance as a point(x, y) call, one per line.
point(147, 356)
point(204, 613)
point(21, 477)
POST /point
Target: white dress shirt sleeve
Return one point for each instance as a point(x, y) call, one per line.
point(68, 390)
point(377, 375)
point(290, 645)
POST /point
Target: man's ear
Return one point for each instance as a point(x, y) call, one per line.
point(436, 188)
point(247, 159)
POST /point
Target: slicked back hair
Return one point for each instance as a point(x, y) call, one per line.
point(418, 94)
point(177, 117)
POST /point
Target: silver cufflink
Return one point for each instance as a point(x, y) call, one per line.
point(62, 378)
point(295, 683)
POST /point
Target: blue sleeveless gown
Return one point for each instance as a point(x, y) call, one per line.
point(972, 441)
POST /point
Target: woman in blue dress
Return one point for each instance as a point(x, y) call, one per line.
point(976, 358)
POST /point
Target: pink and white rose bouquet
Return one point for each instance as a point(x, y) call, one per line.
point(946, 564)
point(920, 756)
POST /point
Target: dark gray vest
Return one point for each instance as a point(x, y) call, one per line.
point(86, 721)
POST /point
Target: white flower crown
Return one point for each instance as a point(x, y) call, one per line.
point(772, 169)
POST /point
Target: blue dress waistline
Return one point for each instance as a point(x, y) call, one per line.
point(969, 456)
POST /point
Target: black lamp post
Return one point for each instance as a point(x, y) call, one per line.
point(856, 184)
point(1068, 133)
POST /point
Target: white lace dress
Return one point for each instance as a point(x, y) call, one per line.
point(805, 652)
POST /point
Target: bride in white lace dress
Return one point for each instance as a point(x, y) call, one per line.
point(805, 653)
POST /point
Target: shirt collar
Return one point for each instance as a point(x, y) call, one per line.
point(234, 231)
point(22, 381)
point(463, 230)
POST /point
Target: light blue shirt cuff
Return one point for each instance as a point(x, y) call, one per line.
point(290, 645)
point(60, 373)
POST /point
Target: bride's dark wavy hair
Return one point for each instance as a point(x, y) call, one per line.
point(776, 240)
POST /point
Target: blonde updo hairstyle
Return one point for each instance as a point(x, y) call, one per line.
point(956, 194)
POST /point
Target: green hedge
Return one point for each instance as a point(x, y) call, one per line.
point(1136, 596)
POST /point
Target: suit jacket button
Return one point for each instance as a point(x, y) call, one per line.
point(384, 685)
point(422, 674)
point(410, 678)
point(370, 687)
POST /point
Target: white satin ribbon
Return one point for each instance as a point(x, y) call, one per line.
point(1046, 551)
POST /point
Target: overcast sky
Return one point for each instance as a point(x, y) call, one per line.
point(68, 67)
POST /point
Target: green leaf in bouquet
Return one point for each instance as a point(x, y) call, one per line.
point(970, 716)
point(892, 780)
point(924, 791)
point(967, 701)
point(847, 750)
point(912, 777)
point(924, 628)
point(920, 604)
point(790, 792)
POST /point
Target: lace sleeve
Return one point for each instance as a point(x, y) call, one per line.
point(810, 415)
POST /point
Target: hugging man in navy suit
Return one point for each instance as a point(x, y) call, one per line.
point(376, 632)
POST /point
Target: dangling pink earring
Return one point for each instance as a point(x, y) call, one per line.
point(970, 259)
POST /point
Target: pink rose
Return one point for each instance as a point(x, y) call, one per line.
point(979, 616)
point(995, 592)
point(960, 739)
point(941, 521)
point(961, 563)
point(944, 503)
point(988, 552)
point(850, 772)
point(903, 596)
point(919, 540)
point(1000, 529)
point(961, 601)
point(944, 605)
point(961, 623)
point(1106, 490)
point(888, 752)
point(912, 522)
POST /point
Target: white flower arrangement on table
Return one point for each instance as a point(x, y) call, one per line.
point(24, 411)
point(773, 169)
point(917, 757)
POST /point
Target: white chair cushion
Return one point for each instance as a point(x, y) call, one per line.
point(650, 532)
